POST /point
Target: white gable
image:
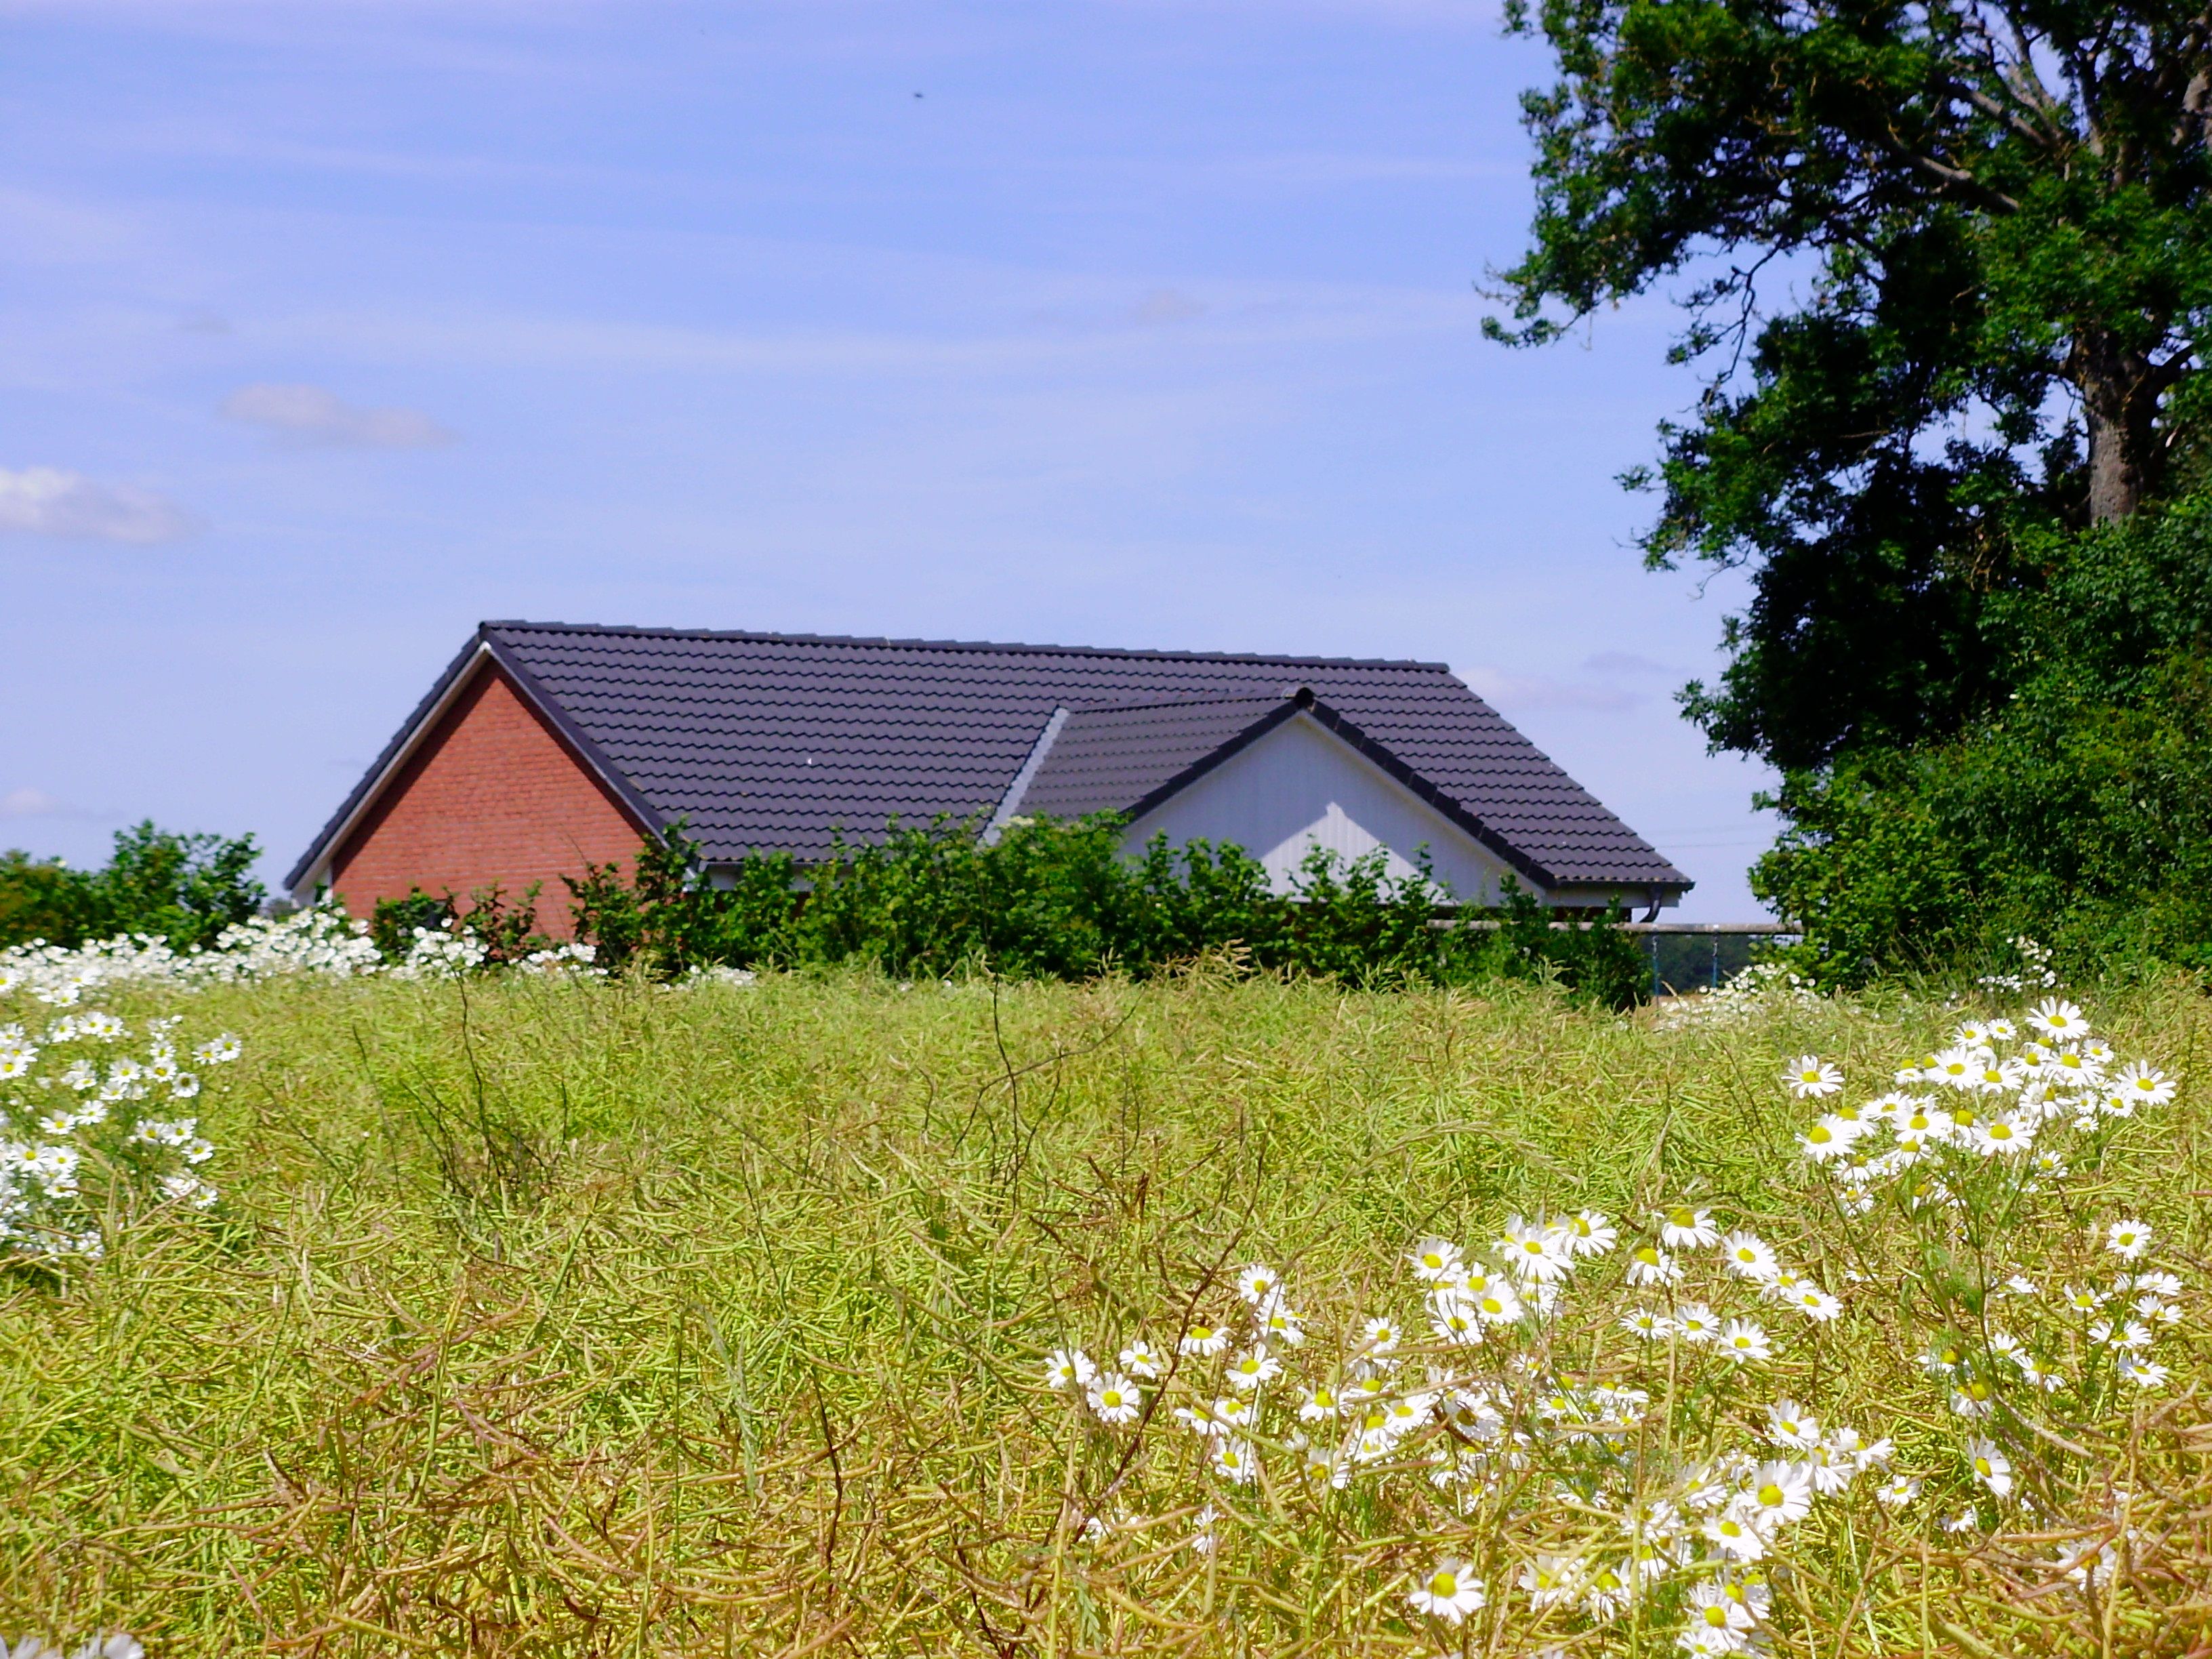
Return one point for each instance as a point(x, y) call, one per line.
point(1300, 786)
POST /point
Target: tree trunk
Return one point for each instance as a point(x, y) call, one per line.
point(2119, 398)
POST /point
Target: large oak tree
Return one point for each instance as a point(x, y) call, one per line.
point(1949, 270)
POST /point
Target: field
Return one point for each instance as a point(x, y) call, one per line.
point(550, 1317)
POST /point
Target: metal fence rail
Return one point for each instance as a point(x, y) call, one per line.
point(1693, 955)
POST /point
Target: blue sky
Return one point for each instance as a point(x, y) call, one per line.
point(327, 330)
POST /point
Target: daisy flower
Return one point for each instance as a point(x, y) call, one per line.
point(1139, 1359)
point(1318, 1403)
point(1532, 1251)
point(1990, 1467)
point(1205, 1341)
point(1456, 1322)
point(1832, 1137)
point(1748, 1256)
point(1435, 1261)
point(1779, 1494)
point(1734, 1535)
point(1788, 1424)
point(1589, 1233)
point(2059, 1020)
point(1812, 1077)
point(1897, 1492)
point(1815, 1304)
point(2082, 1299)
point(1280, 1324)
point(1973, 1398)
point(1551, 1580)
point(2143, 1373)
point(1714, 1612)
point(1650, 1326)
point(1684, 1228)
point(2127, 1239)
point(1448, 1591)
point(1604, 1594)
point(1743, 1341)
point(1115, 1399)
point(1954, 1068)
point(2001, 1134)
point(1235, 1462)
point(1067, 1368)
point(1252, 1368)
point(1257, 1283)
point(1379, 1336)
point(1496, 1304)
point(1698, 1323)
point(2145, 1085)
point(1650, 1264)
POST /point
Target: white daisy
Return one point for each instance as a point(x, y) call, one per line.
point(1651, 1326)
point(1777, 1493)
point(1748, 1256)
point(1812, 1077)
point(2059, 1020)
point(1115, 1399)
point(1684, 1228)
point(1255, 1283)
point(1067, 1368)
point(1449, 1591)
point(2127, 1239)
point(1205, 1341)
point(1650, 1264)
point(1698, 1323)
point(1990, 1467)
point(1140, 1360)
point(2145, 1085)
point(1743, 1341)
point(1435, 1261)
point(1252, 1368)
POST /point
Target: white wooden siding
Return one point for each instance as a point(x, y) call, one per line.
point(1300, 786)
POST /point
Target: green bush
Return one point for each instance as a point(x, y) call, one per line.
point(1058, 900)
point(185, 887)
point(2080, 813)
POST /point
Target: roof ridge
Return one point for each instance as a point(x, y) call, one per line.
point(1009, 646)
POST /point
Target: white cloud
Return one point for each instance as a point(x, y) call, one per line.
point(28, 803)
point(1510, 692)
point(45, 501)
point(310, 414)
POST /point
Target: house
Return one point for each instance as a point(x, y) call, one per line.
point(545, 746)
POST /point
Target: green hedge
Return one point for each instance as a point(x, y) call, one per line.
point(1052, 899)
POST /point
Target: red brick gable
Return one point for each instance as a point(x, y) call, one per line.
point(490, 794)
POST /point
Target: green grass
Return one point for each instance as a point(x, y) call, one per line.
point(557, 1319)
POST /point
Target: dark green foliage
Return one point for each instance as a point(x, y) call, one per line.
point(1058, 900)
point(2080, 812)
point(508, 928)
point(1955, 265)
point(185, 888)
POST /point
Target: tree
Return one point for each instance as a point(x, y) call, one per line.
point(187, 888)
point(1991, 227)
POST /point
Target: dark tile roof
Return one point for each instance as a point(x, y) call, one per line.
point(775, 740)
point(1115, 757)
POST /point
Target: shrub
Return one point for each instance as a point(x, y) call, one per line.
point(1058, 900)
point(183, 888)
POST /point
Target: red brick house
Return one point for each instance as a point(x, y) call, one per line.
point(547, 746)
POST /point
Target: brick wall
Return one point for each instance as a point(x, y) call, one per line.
point(489, 795)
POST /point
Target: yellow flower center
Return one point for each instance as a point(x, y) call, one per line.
point(1981, 1468)
point(1770, 1496)
point(1444, 1585)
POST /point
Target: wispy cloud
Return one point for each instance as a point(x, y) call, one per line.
point(46, 501)
point(28, 802)
point(308, 414)
point(1518, 691)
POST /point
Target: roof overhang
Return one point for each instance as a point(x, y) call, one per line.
point(483, 654)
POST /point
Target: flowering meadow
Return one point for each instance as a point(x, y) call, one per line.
point(541, 1313)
